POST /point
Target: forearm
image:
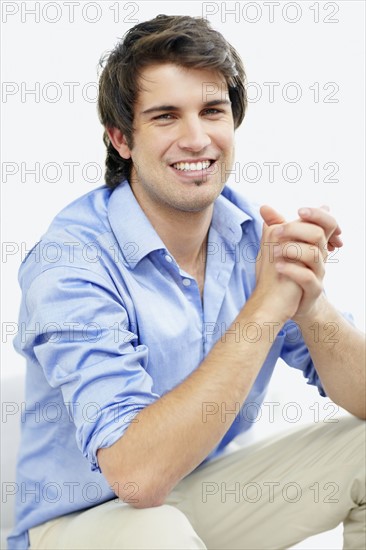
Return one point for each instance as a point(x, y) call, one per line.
point(173, 435)
point(338, 352)
point(337, 349)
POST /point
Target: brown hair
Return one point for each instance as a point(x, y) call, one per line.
point(186, 41)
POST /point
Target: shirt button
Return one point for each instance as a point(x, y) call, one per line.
point(186, 282)
point(168, 258)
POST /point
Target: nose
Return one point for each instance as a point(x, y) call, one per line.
point(193, 134)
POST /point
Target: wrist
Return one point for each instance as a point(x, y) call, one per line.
point(260, 310)
point(315, 314)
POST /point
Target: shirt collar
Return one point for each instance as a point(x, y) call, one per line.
point(134, 232)
point(131, 227)
point(228, 218)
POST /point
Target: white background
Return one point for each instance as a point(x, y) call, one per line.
point(38, 129)
point(293, 44)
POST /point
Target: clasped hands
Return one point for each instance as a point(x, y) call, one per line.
point(290, 268)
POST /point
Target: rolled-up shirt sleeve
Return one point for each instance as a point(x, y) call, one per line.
point(82, 339)
point(296, 354)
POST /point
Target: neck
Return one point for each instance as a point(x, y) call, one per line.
point(184, 234)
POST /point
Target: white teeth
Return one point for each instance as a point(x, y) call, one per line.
point(190, 166)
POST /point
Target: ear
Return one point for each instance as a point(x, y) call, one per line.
point(119, 142)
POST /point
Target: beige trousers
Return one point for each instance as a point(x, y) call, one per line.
point(270, 495)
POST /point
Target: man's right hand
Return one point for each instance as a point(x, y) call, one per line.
point(278, 294)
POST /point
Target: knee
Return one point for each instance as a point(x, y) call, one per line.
point(163, 527)
point(117, 526)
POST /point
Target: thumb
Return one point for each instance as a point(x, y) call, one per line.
point(271, 216)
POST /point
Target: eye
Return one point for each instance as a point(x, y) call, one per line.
point(212, 111)
point(164, 116)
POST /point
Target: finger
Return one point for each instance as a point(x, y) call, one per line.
point(300, 231)
point(334, 240)
point(309, 257)
point(320, 216)
point(270, 215)
point(303, 276)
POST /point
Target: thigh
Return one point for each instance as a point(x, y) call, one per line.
point(278, 492)
point(115, 525)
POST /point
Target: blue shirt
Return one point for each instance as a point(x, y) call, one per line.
point(109, 323)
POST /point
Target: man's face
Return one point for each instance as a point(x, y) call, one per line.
point(183, 138)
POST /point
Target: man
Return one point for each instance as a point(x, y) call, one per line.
point(153, 326)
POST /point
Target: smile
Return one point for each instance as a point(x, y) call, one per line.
point(192, 166)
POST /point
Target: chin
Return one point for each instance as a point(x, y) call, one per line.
point(196, 205)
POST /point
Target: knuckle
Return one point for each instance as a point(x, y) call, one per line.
point(321, 271)
point(308, 277)
point(319, 234)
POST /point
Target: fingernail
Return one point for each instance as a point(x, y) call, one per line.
point(305, 212)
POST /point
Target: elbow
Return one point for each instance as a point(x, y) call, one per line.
point(357, 410)
point(361, 414)
point(137, 488)
point(141, 487)
point(141, 493)
point(148, 501)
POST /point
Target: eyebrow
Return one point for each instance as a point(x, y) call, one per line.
point(164, 108)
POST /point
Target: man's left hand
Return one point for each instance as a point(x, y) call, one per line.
point(302, 250)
